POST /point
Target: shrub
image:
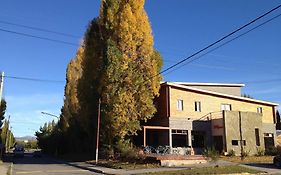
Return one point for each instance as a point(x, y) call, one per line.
point(245, 153)
point(271, 151)
point(260, 151)
point(211, 153)
point(127, 151)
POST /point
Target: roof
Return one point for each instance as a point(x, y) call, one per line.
point(220, 94)
point(210, 84)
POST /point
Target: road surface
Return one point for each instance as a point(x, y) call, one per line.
point(29, 165)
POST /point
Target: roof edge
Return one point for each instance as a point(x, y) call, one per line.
point(221, 94)
point(210, 84)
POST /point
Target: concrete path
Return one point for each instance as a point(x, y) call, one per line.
point(4, 168)
point(105, 170)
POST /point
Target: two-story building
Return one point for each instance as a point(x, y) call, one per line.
point(200, 115)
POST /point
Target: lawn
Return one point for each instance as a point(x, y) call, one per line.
point(249, 159)
point(117, 164)
point(211, 170)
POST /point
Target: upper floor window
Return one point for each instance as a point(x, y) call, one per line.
point(226, 107)
point(180, 105)
point(197, 106)
point(259, 110)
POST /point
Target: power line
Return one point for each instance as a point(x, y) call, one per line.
point(39, 29)
point(34, 79)
point(219, 40)
point(38, 37)
point(227, 42)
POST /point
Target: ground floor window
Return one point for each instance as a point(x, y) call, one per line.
point(179, 138)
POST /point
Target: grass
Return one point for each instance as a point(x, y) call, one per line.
point(249, 159)
point(211, 170)
point(117, 164)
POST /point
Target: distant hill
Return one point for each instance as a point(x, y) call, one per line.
point(29, 138)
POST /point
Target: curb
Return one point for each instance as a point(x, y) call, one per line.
point(86, 168)
point(10, 169)
point(78, 166)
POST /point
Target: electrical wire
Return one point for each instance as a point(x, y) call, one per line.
point(218, 41)
point(227, 42)
point(38, 37)
point(40, 29)
point(34, 79)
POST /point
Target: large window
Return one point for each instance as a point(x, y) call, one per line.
point(197, 106)
point(226, 107)
point(180, 105)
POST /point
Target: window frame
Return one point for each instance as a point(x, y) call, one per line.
point(259, 110)
point(180, 106)
point(197, 106)
point(223, 105)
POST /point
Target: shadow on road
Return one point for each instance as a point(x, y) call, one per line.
point(29, 158)
point(262, 165)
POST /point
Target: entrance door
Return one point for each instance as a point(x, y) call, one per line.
point(218, 143)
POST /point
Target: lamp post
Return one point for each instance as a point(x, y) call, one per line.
point(46, 113)
point(98, 133)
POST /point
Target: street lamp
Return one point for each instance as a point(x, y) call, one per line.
point(46, 113)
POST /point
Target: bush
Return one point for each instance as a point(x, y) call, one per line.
point(271, 151)
point(127, 151)
point(245, 153)
point(260, 151)
point(211, 153)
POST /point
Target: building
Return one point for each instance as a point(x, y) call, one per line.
point(200, 115)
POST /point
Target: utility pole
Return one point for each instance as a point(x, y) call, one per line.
point(98, 132)
point(1, 86)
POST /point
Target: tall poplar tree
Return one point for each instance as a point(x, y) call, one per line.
point(131, 66)
point(119, 65)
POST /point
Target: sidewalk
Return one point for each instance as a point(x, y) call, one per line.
point(104, 170)
point(4, 168)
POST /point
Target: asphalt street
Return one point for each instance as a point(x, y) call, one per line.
point(29, 165)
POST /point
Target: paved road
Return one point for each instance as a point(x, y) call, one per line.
point(29, 165)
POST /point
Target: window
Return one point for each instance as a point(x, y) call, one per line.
point(180, 105)
point(257, 134)
point(197, 106)
point(226, 107)
point(235, 142)
point(259, 110)
point(243, 142)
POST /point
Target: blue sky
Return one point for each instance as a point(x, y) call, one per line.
point(180, 28)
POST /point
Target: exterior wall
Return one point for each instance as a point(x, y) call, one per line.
point(231, 90)
point(218, 127)
point(249, 121)
point(212, 103)
point(180, 123)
